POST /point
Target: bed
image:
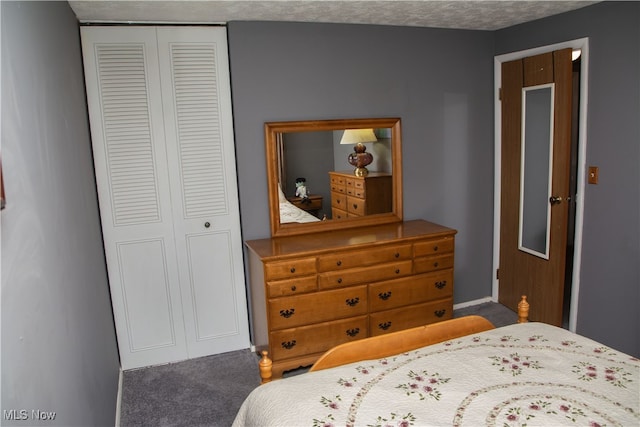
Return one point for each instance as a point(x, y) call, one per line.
point(522, 374)
point(290, 213)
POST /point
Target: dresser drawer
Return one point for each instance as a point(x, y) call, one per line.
point(410, 290)
point(319, 338)
point(433, 263)
point(338, 183)
point(356, 187)
point(433, 247)
point(338, 200)
point(337, 189)
point(356, 206)
point(364, 257)
point(357, 192)
point(338, 213)
point(316, 307)
point(279, 288)
point(290, 268)
point(335, 279)
point(409, 317)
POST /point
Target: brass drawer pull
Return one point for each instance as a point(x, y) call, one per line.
point(339, 263)
point(441, 284)
point(439, 313)
point(397, 271)
point(355, 206)
point(435, 264)
point(384, 326)
point(352, 301)
point(435, 248)
point(353, 332)
point(293, 269)
point(339, 280)
point(293, 288)
point(397, 255)
point(384, 295)
point(288, 345)
point(287, 313)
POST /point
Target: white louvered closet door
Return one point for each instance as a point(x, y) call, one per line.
point(165, 170)
point(200, 150)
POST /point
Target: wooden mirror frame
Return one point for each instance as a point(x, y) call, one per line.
point(273, 129)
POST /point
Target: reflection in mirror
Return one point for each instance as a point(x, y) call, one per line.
point(535, 182)
point(315, 182)
point(309, 157)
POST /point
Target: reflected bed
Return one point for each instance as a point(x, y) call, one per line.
point(290, 213)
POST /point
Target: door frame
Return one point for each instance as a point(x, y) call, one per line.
point(583, 45)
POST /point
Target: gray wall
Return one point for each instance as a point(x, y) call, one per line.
point(59, 349)
point(610, 275)
point(438, 81)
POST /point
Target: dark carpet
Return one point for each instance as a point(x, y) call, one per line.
point(208, 391)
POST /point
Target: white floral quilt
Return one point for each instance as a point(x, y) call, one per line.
point(519, 375)
point(291, 213)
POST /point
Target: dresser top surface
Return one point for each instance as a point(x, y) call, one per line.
point(349, 238)
point(350, 174)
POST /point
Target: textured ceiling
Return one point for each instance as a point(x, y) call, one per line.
point(459, 14)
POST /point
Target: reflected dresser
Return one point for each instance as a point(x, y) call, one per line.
point(312, 292)
point(354, 196)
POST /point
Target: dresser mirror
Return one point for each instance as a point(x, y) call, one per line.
point(320, 179)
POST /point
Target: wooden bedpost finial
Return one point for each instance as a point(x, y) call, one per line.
point(265, 368)
point(523, 310)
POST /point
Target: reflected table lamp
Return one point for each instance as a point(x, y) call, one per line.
point(359, 158)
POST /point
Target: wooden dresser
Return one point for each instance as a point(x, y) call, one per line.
point(312, 292)
point(353, 196)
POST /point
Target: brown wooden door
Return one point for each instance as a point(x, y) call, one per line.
point(539, 274)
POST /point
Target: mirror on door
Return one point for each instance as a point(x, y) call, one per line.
point(535, 182)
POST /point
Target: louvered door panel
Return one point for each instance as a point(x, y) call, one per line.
point(125, 111)
point(197, 105)
point(127, 133)
point(195, 83)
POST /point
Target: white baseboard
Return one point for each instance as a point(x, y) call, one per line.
point(119, 398)
point(474, 302)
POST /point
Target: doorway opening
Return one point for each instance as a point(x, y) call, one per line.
point(573, 185)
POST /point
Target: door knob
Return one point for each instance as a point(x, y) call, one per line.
point(554, 200)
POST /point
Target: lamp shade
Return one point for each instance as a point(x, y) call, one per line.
point(354, 136)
